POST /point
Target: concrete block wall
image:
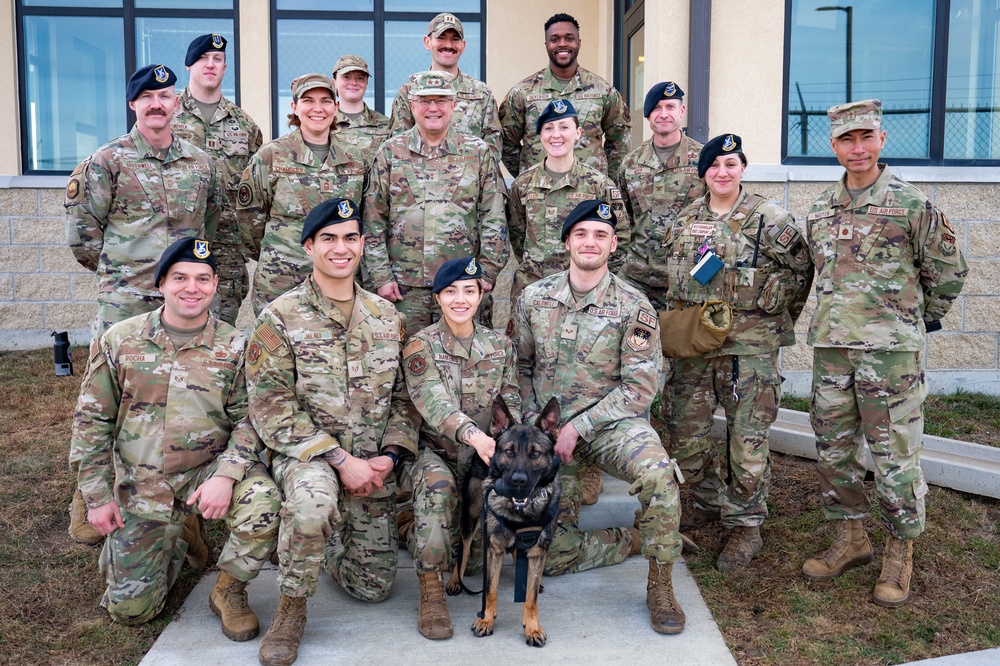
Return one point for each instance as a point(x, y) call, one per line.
point(43, 289)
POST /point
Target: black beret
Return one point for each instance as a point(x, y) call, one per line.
point(724, 144)
point(202, 45)
point(150, 77)
point(196, 250)
point(595, 209)
point(463, 268)
point(331, 211)
point(659, 92)
point(554, 110)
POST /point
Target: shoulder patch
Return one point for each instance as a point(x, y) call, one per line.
point(412, 348)
point(268, 337)
point(417, 366)
point(639, 339)
point(786, 236)
point(647, 318)
point(509, 331)
point(73, 188)
point(244, 195)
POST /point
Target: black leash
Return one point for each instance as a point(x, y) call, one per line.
point(736, 398)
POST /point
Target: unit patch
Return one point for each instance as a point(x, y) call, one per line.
point(638, 339)
point(417, 366)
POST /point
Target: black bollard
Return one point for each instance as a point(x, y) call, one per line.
point(64, 361)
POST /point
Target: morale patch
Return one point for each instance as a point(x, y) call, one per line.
point(699, 229)
point(638, 339)
point(244, 195)
point(646, 318)
point(73, 189)
point(509, 331)
point(786, 237)
point(882, 210)
point(417, 366)
point(268, 337)
point(412, 348)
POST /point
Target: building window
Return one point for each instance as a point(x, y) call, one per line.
point(935, 65)
point(309, 37)
point(75, 57)
point(630, 58)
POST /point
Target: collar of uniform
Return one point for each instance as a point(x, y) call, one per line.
point(176, 151)
point(708, 214)
point(596, 295)
point(366, 119)
point(300, 150)
point(542, 181)
point(188, 102)
point(680, 157)
point(480, 344)
point(153, 330)
point(874, 196)
point(549, 81)
point(448, 146)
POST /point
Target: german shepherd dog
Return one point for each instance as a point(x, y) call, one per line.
point(522, 489)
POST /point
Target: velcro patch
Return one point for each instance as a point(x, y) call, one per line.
point(537, 96)
point(544, 303)
point(786, 237)
point(616, 193)
point(244, 195)
point(639, 339)
point(647, 318)
point(137, 358)
point(268, 337)
point(890, 212)
point(417, 366)
point(499, 353)
point(603, 312)
point(412, 348)
point(386, 335)
point(820, 215)
point(700, 229)
point(278, 168)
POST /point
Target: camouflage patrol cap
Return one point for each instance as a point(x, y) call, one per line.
point(350, 63)
point(444, 21)
point(864, 114)
point(306, 82)
point(432, 83)
point(193, 250)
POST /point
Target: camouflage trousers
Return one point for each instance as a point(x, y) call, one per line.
point(630, 450)
point(421, 310)
point(324, 527)
point(119, 306)
point(141, 561)
point(658, 299)
point(233, 281)
point(701, 384)
point(437, 512)
point(874, 397)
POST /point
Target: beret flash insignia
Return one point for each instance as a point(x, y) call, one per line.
point(729, 143)
point(216, 41)
point(559, 106)
point(344, 209)
point(604, 211)
point(201, 249)
point(160, 74)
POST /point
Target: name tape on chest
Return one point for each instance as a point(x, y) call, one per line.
point(137, 358)
point(544, 303)
point(821, 215)
point(700, 229)
point(277, 168)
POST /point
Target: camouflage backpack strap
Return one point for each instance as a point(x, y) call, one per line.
point(748, 206)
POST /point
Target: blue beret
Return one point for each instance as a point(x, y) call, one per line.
point(453, 270)
point(658, 93)
point(554, 110)
point(150, 77)
point(331, 211)
point(201, 45)
point(724, 144)
point(196, 250)
point(595, 209)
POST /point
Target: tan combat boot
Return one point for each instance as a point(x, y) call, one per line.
point(404, 523)
point(593, 484)
point(432, 616)
point(228, 600)
point(79, 529)
point(193, 533)
point(694, 518)
point(665, 613)
point(743, 544)
point(893, 587)
point(850, 548)
point(280, 645)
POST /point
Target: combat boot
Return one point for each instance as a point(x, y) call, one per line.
point(893, 587)
point(665, 613)
point(743, 544)
point(432, 616)
point(79, 529)
point(404, 522)
point(593, 484)
point(850, 548)
point(228, 600)
point(280, 645)
point(193, 533)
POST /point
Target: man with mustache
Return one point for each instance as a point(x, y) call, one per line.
point(475, 106)
point(126, 204)
point(231, 137)
point(603, 114)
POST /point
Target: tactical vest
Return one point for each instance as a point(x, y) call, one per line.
point(737, 282)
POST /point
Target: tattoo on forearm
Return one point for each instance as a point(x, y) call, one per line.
point(337, 457)
point(469, 433)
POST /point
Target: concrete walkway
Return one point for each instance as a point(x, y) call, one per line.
point(591, 617)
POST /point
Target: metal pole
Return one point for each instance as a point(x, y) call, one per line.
point(850, 33)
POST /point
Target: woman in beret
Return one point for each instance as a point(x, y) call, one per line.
point(286, 178)
point(747, 252)
point(455, 369)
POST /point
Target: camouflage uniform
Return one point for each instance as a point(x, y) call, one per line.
point(366, 132)
point(700, 384)
point(601, 357)
point(318, 383)
point(126, 204)
point(655, 194)
point(282, 183)
point(452, 389)
point(886, 265)
point(427, 205)
point(536, 210)
point(152, 424)
point(475, 111)
point(230, 137)
point(603, 116)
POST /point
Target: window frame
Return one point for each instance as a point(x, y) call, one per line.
point(378, 16)
point(128, 13)
point(938, 100)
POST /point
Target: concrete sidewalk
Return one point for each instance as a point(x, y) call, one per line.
point(591, 617)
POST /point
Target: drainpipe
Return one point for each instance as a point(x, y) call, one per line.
point(699, 56)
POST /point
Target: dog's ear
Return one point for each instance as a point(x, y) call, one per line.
point(548, 420)
point(502, 418)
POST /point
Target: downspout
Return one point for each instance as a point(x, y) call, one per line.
point(699, 67)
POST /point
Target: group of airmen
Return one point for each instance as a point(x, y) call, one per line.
point(343, 427)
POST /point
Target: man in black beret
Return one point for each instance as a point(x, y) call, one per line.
point(130, 200)
point(223, 130)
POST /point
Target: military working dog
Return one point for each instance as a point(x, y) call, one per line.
point(522, 491)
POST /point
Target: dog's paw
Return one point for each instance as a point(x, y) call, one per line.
point(453, 588)
point(541, 588)
point(482, 628)
point(535, 638)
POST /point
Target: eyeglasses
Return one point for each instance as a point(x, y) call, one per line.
point(440, 102)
